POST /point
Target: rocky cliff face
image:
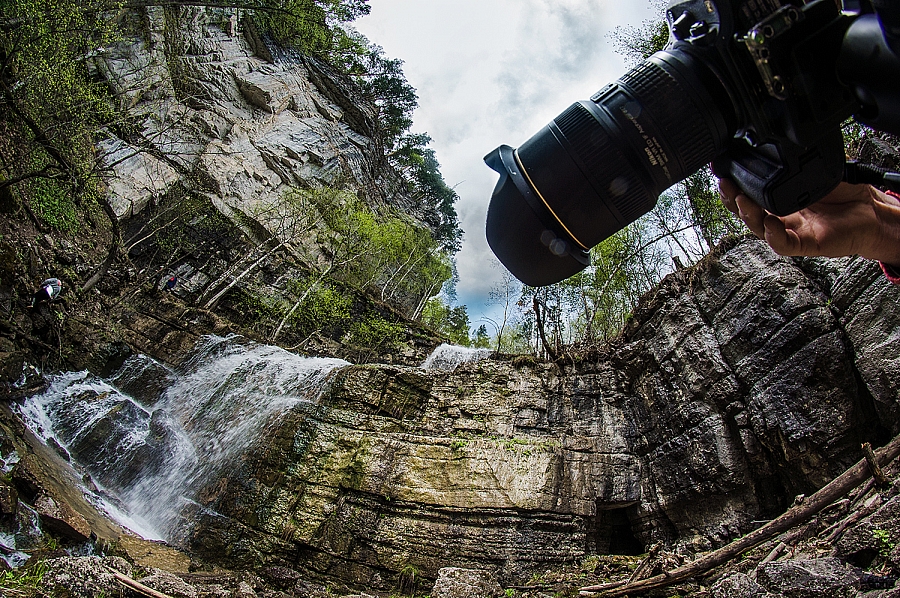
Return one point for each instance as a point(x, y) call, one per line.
point(735, 387)
point(213, 110)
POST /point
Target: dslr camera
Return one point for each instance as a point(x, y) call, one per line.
point(757, 88)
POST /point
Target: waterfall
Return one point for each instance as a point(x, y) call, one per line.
point(449, 357)
point(150, 436)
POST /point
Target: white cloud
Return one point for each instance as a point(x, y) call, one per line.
point(490, 72)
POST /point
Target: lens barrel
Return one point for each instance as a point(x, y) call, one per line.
point(602, 164)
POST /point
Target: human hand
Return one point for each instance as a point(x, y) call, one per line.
point(851, 220)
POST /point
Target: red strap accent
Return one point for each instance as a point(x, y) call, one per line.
point(892, 272)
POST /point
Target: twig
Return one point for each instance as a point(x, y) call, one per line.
point(138, 586)
point(880, 479)
point(869, 507)
point(645, 566)
point(797, 514)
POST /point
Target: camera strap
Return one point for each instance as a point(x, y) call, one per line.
point(869, 174)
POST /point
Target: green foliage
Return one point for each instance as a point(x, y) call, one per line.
point(709, 215)
point(311, 26)
point(259, 307)
point(408, 579)
point(322, 309)
point(382, 80)
point(50, 97)
point(885, 544)
point(419, 166)
point(23, 579)
point(374, 332)
point(52, 202)
point(638, 43)
point(399, 260)
point(482, 339)
point(451, 322)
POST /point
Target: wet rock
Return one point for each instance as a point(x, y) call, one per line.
point(453, 582)
point(62, 520)
point(9, 499)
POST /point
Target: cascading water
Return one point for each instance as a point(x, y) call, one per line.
point(449, 357)
point(150, 436)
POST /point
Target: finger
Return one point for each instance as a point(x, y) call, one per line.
point(752, 215)
point(782, 240)
point(729, 191)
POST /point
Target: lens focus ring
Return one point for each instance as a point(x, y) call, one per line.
point(680, 124)
point(606, 167)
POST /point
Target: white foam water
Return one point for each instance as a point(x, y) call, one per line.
point(449, 357)
point(150, 436)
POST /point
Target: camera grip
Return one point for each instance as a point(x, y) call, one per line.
point(784, 178)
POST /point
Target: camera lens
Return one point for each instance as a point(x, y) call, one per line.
point(602, 163)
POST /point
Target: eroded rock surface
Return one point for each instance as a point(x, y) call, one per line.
point(734, 389)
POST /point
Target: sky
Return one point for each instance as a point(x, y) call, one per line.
point(493, 72)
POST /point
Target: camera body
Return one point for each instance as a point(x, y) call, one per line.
point(758, 88)
point(778, 65)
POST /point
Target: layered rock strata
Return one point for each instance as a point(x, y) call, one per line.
point(736, 386)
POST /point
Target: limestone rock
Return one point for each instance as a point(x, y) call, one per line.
point(169, 584)
point(810, 578)
point(739, 585)
point(78, 577)
point(453, 582)
point(62, 520)
point(729, 394)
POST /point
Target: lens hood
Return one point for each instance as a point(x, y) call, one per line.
point(523, 233)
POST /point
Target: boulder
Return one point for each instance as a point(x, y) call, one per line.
point(739, 585)
point(453, 582)
point(810, 578)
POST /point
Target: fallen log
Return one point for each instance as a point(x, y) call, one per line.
point(799, 513)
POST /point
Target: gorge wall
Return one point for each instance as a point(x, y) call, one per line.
point(736, 386)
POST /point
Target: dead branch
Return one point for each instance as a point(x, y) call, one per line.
point(137, 586)
point(797, 514)
point(880, 479)
point(869, 507)
point(645, 567)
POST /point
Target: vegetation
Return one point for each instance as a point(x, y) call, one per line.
point(23, 581)
point(56, 110)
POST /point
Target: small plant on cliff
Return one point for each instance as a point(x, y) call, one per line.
point(375, 332)
point(885, 544)
point(408, 580)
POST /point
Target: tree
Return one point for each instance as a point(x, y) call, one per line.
point(482, 339)
point(452, 322)
point(638, 43)
point(419, 167)
point(504, 295)
point(311, 26)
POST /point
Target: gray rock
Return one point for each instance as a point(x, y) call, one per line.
point(739, 585)
point(810, 578)
point(453, 582)
point(170, 584)
point(79, 577)
point(876, 535)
